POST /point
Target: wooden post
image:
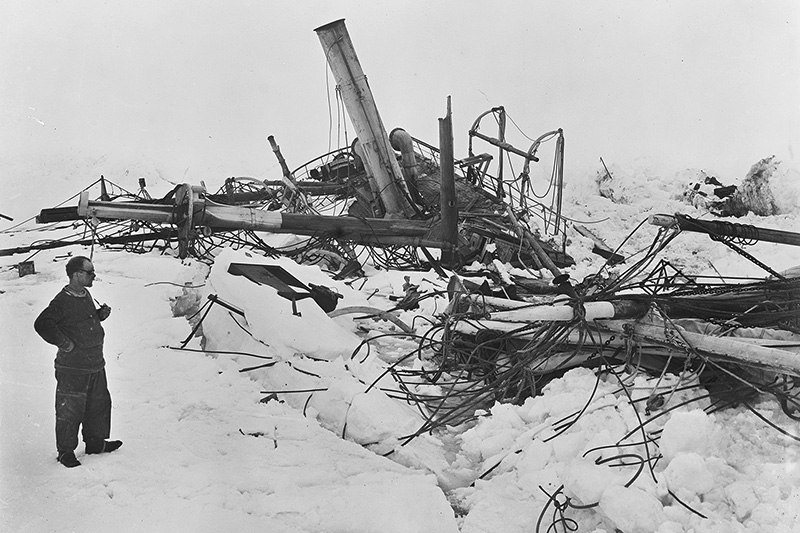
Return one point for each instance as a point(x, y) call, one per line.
point(725, 229)
point(562, 280)
point(277, 151)
point(738, 350)
point(448, 204)
point(288, 180)
point(501, 122)
point(191, 210)
point(531, 240)
point(103, 192)
point(379, 156)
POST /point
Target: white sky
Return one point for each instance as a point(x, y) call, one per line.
point(197, 86)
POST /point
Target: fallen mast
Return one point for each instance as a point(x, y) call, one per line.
point(192, 212)
point(721, 230)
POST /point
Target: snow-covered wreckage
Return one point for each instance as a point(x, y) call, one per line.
point(426, 308)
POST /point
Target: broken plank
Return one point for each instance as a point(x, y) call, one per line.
point(718, 348)
point(600, 247)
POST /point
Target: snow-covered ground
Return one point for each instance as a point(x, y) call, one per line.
point(203, 452)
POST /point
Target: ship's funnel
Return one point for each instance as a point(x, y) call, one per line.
point(378, 155)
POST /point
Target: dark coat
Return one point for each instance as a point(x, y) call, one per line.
point(73, 318)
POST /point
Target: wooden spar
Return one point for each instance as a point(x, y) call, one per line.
point(501, 236)
point(225, 217)
point(378, 154)
point(471, 327)
point(721, 348)
point(503, 303)
point(160, 214)
point(725, 229)
point(117, 239)
point(288, 179)
point(448, 204)
point(565, 313)
point(501, 123)
point(778, 356)
point(530, 239)
point(600, 247)
point(231, 217)
point(297, 192)
point(63, 214)
point(287, 174)
point(372, 311)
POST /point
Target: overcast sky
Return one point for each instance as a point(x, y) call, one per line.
point(197, 86)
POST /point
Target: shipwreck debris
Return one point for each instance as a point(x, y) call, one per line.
point(720, 230)
point(743, 338)
point(287, 285)
point(390, 198)
point(395, 204)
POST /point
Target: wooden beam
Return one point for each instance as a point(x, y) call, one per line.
point(373, 312)
point(531, 240)
point(448, 204)
point(226, 217)
point(166, 235)
point(565, 313)
point(375, 231)
point(730, 349)
point(600, 247)
point(725, 229)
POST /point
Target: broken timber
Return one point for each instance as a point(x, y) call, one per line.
point(627, 319)
point(600, 247)
point(192, 210)
point(719, 229)
point(733, 349)
point(449, 206)
point(166, 235)
point(778, 356)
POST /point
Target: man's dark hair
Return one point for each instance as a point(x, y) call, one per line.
point(75, 264)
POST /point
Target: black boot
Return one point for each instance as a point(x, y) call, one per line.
point(68, 459)
point(102, 446)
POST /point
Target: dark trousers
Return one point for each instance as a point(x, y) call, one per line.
point(81, 399)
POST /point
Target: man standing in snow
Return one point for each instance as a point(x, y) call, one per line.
point(72, 323)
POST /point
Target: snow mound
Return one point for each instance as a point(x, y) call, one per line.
point(686, 432)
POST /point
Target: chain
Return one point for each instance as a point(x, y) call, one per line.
point(727, 242)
